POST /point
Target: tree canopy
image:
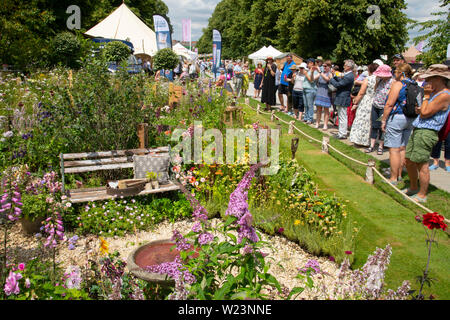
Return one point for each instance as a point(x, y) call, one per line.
point(437, 37)
point(332, 28)
point(27, 27)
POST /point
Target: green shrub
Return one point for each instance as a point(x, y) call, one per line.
point(116, 51)
point(165, 59)
point(67, 49)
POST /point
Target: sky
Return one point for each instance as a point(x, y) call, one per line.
point(199, 12)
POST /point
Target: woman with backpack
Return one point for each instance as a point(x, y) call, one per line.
point(433, 115)
point(395, 123)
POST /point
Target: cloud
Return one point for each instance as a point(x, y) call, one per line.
point(199, 11)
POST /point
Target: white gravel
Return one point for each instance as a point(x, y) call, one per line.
point(284, 256)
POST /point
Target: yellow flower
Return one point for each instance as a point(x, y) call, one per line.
point(103, 246)
point(297, 222)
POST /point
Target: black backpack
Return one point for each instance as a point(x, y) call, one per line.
point(414, 94)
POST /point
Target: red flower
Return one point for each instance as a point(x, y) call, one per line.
point(434, 221)
point(280, 230)
point(348, 252)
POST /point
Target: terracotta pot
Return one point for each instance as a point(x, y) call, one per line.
point(31, 227)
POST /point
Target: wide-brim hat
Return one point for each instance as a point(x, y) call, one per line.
point(269, 58)
point(383, 71)
point(440, 70)
point(302, 65)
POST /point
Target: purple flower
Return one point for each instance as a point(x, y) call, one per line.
point(181, 242)
point(311, 264)
point(197, 227)
point(205, 238)
point(238, 206)
point(331, 258)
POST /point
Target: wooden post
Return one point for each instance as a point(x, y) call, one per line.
point(294, 146)
point(272, 115)
point(258, 109)
point(143, 135)
point(247, 101)
point(325, 141)
point(369, 171)
point(291, 127)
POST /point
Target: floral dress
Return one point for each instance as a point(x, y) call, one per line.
point(360, 133)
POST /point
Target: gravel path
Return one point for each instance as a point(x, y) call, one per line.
point(285, 257)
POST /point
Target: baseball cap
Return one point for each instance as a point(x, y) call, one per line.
point(302, 65)
point(398, 56)
point(311, 60)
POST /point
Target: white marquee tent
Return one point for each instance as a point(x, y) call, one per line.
point(263, 53)
point(185, 52)
point(123, 24)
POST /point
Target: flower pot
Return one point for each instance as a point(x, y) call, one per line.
point(31, 227)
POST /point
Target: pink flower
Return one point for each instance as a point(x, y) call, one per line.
point(348, 252)
point(12, 283)
point(21, 266)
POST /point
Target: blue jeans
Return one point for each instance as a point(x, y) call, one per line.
point(309, 95)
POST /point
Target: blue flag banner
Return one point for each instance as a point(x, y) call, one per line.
point(217, 50)
point(162, 30)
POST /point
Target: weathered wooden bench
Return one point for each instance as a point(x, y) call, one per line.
point(105, 160)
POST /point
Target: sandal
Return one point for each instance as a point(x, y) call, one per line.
point(369, 150)
point(419, 199)
point(409, 192)
point(380, 151)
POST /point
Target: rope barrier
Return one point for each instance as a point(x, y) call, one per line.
point(355, 160)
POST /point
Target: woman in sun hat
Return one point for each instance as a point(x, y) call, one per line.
point(297, 91)
point(268, 84)
point(396, 125)
point(382, 87)
point(434, 113)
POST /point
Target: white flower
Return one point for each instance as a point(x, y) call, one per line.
point(68, 204)
point(8, 134)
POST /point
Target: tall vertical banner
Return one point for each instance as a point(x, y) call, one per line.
point(217, 50)
point(162, 30)
point(186, 26)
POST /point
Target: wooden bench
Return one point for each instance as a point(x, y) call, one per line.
point(105, 160)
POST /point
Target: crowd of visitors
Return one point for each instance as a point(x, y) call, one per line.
point(375, 106)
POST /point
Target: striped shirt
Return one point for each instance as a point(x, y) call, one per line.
point(435, 122)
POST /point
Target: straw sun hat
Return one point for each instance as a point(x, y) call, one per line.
point(440, 70)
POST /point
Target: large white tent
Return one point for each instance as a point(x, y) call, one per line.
point(123, 24)
point(185, 52)
point(263, 53)
point(258, 55)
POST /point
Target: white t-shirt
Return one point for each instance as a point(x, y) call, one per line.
point(298, 83)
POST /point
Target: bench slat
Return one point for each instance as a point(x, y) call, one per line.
point(114, 153)
point(99, 167)
point(80, 163)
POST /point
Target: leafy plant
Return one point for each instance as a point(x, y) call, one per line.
point(165, 59)
point(116, 51)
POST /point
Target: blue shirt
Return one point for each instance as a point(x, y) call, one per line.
point(286, 72)
point(436, 121)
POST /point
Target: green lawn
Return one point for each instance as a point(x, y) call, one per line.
point(382, 217)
